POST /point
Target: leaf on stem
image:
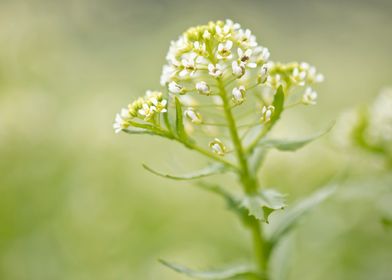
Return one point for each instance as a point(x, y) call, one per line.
point(278, 103)
point(293, 215)
point(179, 120)
point(216, 274)
point(262, 204)
point(294, 144)
point(207, 171)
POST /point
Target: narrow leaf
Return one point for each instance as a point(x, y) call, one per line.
point(262, 204)
point(291, 145)
point(179, 120)
point(278, 103)
point(293, 215)
point(207, 171)
point(219, 274)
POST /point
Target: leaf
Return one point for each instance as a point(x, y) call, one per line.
point(179, 120)
point(262, 204)
point(291, 145)
point(219, 274)
point(293, 215)
point(233, 203)
point(278, 103)
point(148, 132)
point(207, 171)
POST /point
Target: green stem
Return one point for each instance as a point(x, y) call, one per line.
point(248, 180)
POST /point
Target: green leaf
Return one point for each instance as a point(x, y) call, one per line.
point(293, 215)
point(179, 120)
point(207, 171)
point(233, 203)
point(219, 274)
point(278, 103)
point(262, 204)
point(147, 132)
point(291, 145)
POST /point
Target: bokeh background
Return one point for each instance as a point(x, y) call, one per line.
point(75, 202)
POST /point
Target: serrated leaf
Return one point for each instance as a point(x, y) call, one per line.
point(278, 103)
point(262, 204)
point(292, 215)
point(218, 274)
point(207, 171)
point(291, 145)
point(179, 120)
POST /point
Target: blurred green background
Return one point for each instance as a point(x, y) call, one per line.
point(75, 202)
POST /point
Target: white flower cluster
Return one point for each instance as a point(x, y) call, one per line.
point(218, 50)
point(142, 108)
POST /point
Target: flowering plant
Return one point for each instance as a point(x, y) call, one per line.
point(221, 84)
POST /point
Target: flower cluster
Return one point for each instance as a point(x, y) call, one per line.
point(225, 62)
point(145, 109)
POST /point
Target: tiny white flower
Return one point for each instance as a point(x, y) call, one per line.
point(299, 76)
point(193, 116)
point(263, 74)
point(309, 97)
point(232, 25)
point(119, 124)
point(224, 50)
point(189, 65)
point(215, 70)
point(238, 95)
point(246, 39)
point(223, 33)
point(238, 69)
point(266, 113)
point(147, 111)
point(217, 147)
point(262, 53)
point(176, 88)
point(203, 88)
point(199, 48)
point(206, 35)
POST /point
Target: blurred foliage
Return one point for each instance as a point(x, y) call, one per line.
point(75, 202)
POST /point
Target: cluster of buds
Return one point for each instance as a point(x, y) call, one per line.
point(145, 109)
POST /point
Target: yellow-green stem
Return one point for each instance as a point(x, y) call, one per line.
point(248, 180)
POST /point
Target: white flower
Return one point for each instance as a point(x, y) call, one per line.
point(246, 39)
point(203, 88)
point(224, 50)
point(199, 48)
point(309, 97)
point(299, 76)
point(274, 81)
point(120, 121)
point(244, 58)
point(215, 70)
point(238, 95)
point(189, 65)
point(313, 76)
point(223, 33)
point(238, 69)
point(217, 147)
point(147, 111)
point(206, 35)
point(193, 116)
point(266, 113)
point(176, 88)
point(168, 71)
point(263, 74)
point(262, 53)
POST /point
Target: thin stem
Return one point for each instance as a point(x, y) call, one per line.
point(248, 180)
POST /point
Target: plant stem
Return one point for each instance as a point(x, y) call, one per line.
point(247, 179)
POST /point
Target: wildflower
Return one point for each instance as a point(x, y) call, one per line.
point(266, 113)
point(206, 35)
point(217, 147)
point(263, 74)
point(120, 121)
point(215, 70)
point(244, 57)
point(246, 39)
point(147, 111)
point(298, 76)
point(238, 69)
point(309, 97)
point(193, 116)
point(188, 63)
point(199, 48)
point(176, 88)
point(262, 53)
point(224, 50)
point(203, 88)
point(238, 95)
point(223, 33)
